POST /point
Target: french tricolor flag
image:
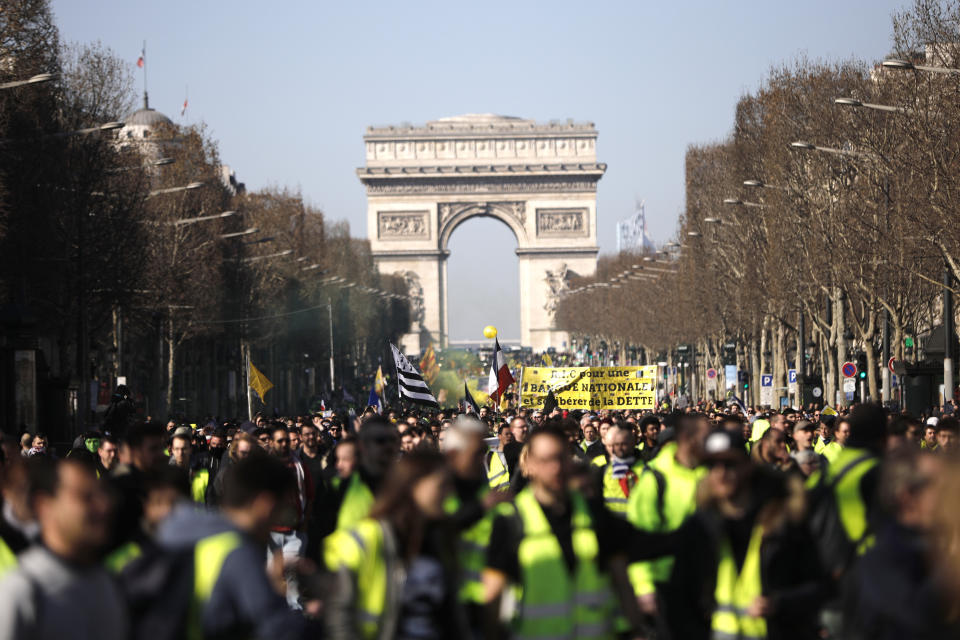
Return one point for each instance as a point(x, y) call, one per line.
point(500, 376)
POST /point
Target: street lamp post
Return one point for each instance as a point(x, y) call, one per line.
point(330, 318)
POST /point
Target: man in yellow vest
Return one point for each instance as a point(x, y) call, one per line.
point(232, 593)
point(622, 471)
point(18, 528)
point(378, 446)
point(748, 568)
point(566, 556)
point(181, 455)
point(848, 493)
point(665, 495)
point(495, 461)
point(831, 451)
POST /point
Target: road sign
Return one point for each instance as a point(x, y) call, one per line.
point(711, 373)
point(890, 364)
point(849, 369)
point(817, 392)
point(766, 389)
point(849, 385)
point(791, 381)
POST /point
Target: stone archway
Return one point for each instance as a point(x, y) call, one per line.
point(538, 179)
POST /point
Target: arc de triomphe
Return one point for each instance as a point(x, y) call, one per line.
point(539, 179)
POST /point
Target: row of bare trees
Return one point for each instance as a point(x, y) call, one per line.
point(832, 216)
point(115, 259)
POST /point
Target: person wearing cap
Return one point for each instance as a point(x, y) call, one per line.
point(181, 455)
point(809, 463)
point(469, 507)
point(663, 497)
point(930, 434)
point(749, 567)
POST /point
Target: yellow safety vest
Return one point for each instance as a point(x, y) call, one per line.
point(209, 554)
point(472, 553)
point(360, 551)
point(122, 556)
point(832, 451)
point(8, 559)
point(613, 496)
point(554, 603)
point(498, 476)
point(819, 446)
point(648, 510)
point(735, 592)
point(356, 505)
point(850, 504)
point(198, 485)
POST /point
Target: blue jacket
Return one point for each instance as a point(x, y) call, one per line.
point(243, 598)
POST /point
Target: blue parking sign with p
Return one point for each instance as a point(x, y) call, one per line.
point(766, 381)
point(792, 376)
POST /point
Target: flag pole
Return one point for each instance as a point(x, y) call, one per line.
point(249, 388)
point(143, 52)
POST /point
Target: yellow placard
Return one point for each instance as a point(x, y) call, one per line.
point(591, 387)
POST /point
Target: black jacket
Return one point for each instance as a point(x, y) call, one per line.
point(897, 590)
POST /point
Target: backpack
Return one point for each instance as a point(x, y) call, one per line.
point(158, 589)
point(836, 550)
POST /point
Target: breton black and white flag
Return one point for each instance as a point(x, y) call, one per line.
point(410, 383)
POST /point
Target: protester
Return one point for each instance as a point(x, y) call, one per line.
point(572, 575)
point(239, 598)
point(378, 445)
point(288, 535)
point(107, 455)
point(901, 588)
point(749, 567)
point(664, 497)
point(59, 589)
point(396, 570)
point(18, 526)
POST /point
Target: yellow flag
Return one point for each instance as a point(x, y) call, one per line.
point(547, 360)
point(379, 382)
point(259, 382)
point(828, 411)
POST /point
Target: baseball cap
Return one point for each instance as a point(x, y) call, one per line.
point(933, 421)
point(804, 425)
point(724, 445)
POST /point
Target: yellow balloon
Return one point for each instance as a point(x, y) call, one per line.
point(490, 331)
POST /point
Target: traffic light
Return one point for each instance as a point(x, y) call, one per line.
point(863, 374)
point(746, 385)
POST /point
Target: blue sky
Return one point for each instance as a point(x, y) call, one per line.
point(288, 87)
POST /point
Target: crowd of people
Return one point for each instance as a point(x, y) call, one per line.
point(710, 522)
